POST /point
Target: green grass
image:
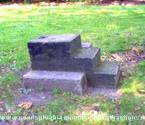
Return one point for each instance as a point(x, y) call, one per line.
point(111, 28)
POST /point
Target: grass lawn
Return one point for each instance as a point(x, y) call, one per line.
point(111, 28)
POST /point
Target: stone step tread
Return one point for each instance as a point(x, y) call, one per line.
point(65, 38)
point(54, 75)
point(87, 53)
point(109, 68)
point(86, 44)
point(54, 46)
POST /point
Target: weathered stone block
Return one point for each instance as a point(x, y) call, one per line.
point(86, 59)
point(62, 61)
point(87, 45)
point(105, 76)
point(48, 80)
point(54, 46)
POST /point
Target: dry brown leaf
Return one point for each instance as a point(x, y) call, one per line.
point(137, 108)
point(128, 58)
point(141, 91)
point(138, 51)
point(25, 105)
point(116, 57)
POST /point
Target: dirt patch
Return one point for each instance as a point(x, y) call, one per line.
point(128, 59)
point(108, 93)
point(36, 98)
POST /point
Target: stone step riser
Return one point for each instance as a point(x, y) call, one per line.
point(75, 65)
point(86, 64)
point(105, 77)
point(105, 81)
point(74, 82)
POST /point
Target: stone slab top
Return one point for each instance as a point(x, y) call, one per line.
point(108, 68)
point(85, 53)
point(86, 45)
point(54, 75)
point(64, 38)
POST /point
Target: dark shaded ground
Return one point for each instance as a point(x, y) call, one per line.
point(103, 2)
point(123, 2)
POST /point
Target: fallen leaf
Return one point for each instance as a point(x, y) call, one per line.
point(119, 93)
point(116, 57)
point(137, 108)
point(9, 111)
point(25, 105)
point(128, 57)
point(137, 51)
point(141, 91)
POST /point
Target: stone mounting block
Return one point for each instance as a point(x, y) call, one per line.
point(63, 62)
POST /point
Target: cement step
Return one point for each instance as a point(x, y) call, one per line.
point(86, 59)
point(54, 46)
point(74, 82)
point(106, 76)
point(86, 44)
